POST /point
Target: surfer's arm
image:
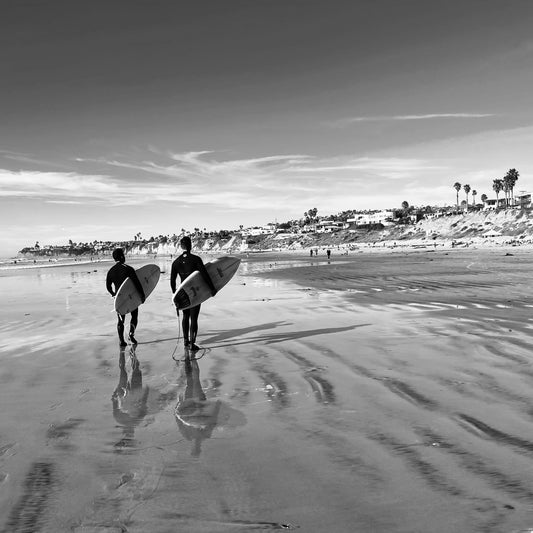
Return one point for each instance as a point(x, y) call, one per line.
point(173, 276)
point(133, 275)
point(206, 276)
point(109, 285)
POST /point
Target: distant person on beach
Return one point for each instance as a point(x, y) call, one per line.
point(185, 265)
point(115, 278)
point(328, 252)
point(311, 252)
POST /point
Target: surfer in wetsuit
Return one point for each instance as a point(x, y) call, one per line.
point(185, 265)
point(115, 277)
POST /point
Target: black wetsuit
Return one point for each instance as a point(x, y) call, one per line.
point(185, 265)
point(116, 276)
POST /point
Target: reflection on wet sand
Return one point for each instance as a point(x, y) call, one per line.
point(196, 414)
point(129, 399)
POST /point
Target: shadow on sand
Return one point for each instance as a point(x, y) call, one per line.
point(273, 338)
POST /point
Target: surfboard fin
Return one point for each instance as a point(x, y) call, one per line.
point(182, 300)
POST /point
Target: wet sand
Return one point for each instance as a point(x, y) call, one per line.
point(374, 393)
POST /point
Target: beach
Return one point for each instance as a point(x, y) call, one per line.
point(375, 392)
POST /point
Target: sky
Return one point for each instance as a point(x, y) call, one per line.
point(127, 116)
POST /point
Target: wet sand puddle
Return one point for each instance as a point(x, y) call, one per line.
point(311, 409)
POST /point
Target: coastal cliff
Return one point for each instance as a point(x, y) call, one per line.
point(504, 226)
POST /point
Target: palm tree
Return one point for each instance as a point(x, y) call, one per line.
point(511, 178)
point(466, 188)
point(507, 191)
point(457, 187)
point(497, 187)
point(474, 194)
point(484, 198)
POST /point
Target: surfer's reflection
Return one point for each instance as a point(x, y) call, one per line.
point(195, 414)
point(129, 398)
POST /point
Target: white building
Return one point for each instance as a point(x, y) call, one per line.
point(384, 217)
point(328, 226)
point(269, 229)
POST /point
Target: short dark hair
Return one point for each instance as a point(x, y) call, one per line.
point(186, 242)
point(118, 253)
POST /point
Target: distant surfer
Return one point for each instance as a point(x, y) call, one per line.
point(185, 265)
point(115, 277)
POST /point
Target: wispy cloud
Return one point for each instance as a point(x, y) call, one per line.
point(29, 160)
point(390, 118)
point(203, 178)
point(31, 183)
point(386, 167)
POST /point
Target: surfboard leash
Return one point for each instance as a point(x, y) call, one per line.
point(177, 341)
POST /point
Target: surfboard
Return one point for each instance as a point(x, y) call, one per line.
point(128, 298)
point(194, 290)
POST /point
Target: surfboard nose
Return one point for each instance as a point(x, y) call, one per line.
point(182, 299)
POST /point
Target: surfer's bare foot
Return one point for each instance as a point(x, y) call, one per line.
point(123, 344)
point(186, 343)
point(133, 340)
point(194, 348)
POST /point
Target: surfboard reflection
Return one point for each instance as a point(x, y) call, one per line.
point(129, 399)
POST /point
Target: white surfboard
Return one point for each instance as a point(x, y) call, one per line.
point(194, 290)
point(128, 298)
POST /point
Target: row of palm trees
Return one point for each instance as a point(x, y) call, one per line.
point(505, 184)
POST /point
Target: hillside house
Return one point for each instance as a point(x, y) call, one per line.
point(328, 226)
point(384, 217)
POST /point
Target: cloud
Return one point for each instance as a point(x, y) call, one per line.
point(204, 179)
point(386, 167)
point(31, 183)
point(389, 118)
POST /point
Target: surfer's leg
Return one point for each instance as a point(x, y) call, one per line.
point(195, 311)
point(185, 326)
point(120, 329)
point(133, 325)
